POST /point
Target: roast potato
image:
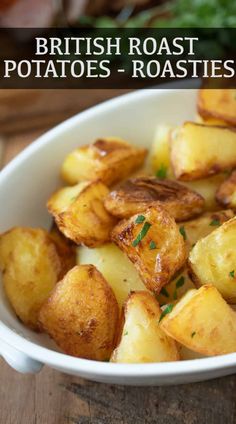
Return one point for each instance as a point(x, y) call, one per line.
point(154, 244)
point(213, 260)
point(81, 314)
point(116, 268)
point(142, 339)
point(226, 193)
point(107, 159)
point(31, 266)
point(66, 249)
point(200, 227)
point(203, 322)
point(80, 213)
point(201, 150)
point(211, 121)
point(177, 287)
point(218, 104)
point(160, 152)
point(137, 194)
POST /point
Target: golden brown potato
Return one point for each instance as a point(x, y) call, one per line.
point(200, 227)
point(142, 339)
point(137, 194)
point(154, 244)
point(226, 193)
point(80, 213)
point(203, 322)
point(211, 121)
point(107, 159)
point(81, 314)
point(213, 260)
point(218, 104)
point(198, 151)
point(31, 266)
point(108, 258)
point(66, 249)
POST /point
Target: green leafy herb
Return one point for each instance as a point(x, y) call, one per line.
point(183, 232)
point(152, 245)
point(126, 333)
point(193, 334)
point(139, 219)
point(166, 311)
point(164, 292)
point(231, 274)
point(180, 282)
point(142, 234)
point(175, 295)
point(215, 222)
point(161, 172)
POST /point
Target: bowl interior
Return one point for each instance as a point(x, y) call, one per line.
point(27, 182)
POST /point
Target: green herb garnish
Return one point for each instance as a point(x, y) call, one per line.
point(164, 292)
point(180, 282)
point(175, 295)
point(142, 234)
point(126, 333)
point(152, 245)
point(139, 219)
point(183, 232)
point(193, 334)
point(215, 222)
point(231, 274)
point(161, 172)
point(166, 311)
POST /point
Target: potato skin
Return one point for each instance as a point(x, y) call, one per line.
point(66, 250)
point(212, 260)
point(81, 314)
point(196, 150)
point(31, 266)
point(155, 266)
point(107, 159)
point(218, 104)
point(226, 193)
point(203, 322)
point(142, 339)
point(83, 217)
point(137, 194)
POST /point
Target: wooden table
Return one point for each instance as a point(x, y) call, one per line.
point(55, 398)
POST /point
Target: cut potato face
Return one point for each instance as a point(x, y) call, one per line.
point(203, 322)
point(154, 244)
point(142, 339)
point(226, 193)
point(200, 227)
point(212, 260)
point(81, 315)
point(218, 104)
point(160, 152)
point(137, 194)
point(207, 188)
point(31, 266)
point(196, 150)
point(81, 215)
point(107, 159)
point(116, 268)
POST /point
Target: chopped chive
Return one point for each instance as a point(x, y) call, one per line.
point(152, 245)
point(139, 219)
point(183, 232)
point(164, 292)
point(215, 222)
point(161, 172)
point(166, 311)
point(126, 333)
point(231, 274)
point(193, 334)
point(142, 234)
point(180, 282)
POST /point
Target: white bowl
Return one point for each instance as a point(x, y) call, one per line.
point(25, 185)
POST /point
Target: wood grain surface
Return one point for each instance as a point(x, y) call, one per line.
point(55, 398)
